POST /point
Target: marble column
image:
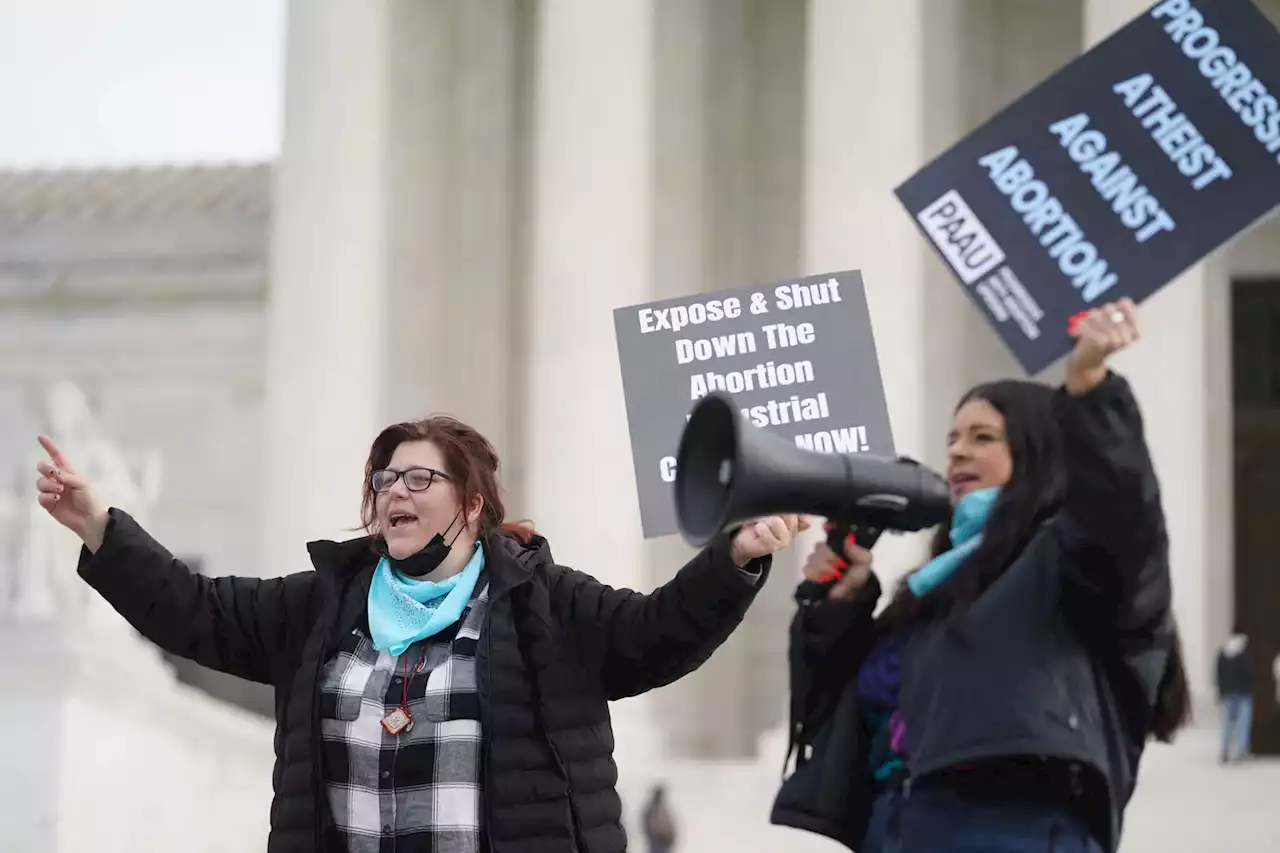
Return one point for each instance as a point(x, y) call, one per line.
point(729, 97)
point(328, 275)
point(591, 232)
point(864, 135)
point(591, 239)
point(1170, 372)
point(392, 283)
point(452, 205)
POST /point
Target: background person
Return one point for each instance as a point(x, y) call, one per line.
point(441, 683)
point(659, 822)
point(1002, 700)
point(1234, 681)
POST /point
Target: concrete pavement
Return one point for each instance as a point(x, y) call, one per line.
point(1185, 801)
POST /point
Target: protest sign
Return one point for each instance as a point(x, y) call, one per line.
point(797, 357)
point(1116, 174)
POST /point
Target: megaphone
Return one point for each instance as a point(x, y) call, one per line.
point(728, 471)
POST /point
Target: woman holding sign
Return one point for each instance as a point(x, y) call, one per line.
point(1002, 700)
point(441, 682)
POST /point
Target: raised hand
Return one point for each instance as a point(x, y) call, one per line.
point(69, 497)
point(765, 536)
point(1099, 333)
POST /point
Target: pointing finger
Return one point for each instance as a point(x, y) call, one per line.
point(58, 457)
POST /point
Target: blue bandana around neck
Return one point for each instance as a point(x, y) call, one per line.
point(404, 610)
point(967, 520)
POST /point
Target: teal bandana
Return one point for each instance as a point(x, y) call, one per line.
point(403, 610)
point(967, 520)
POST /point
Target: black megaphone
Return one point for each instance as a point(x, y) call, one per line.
point(728, 471)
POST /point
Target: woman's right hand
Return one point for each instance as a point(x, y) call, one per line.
point(856, 566)
point(69, 497)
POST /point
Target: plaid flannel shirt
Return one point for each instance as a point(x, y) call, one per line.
point(419, 789)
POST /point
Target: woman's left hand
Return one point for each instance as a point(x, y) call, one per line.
point(1099, 333)
point(765, 536)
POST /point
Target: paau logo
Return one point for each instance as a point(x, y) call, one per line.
point(961, 237)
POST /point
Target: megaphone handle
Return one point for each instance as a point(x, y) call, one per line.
point(813, 592)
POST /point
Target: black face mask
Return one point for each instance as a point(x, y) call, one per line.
point(426, 561)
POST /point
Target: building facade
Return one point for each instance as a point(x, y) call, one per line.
point(467, 190)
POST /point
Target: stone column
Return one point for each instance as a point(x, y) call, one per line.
point(393, 241)
point(729, 95)
point(865, 135)
point(452, 204)
point(328, 277)
point(591, 252)
point(1169, 372)
point(591, 234)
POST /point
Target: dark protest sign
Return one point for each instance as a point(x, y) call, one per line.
point(798, 357)
point(1113, 176)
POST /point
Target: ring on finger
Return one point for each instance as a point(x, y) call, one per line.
point(1116, 316)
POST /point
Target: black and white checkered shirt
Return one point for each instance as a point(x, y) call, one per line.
point(419, 789)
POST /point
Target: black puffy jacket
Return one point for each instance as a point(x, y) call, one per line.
point(1062, 656)
point(557, 646)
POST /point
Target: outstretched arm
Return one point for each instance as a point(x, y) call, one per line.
point(638, 642)
point(248, 627)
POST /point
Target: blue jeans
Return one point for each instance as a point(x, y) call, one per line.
point(936, 820)
point(1237, 720)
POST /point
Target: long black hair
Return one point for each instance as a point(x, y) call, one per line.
point(1032, 496)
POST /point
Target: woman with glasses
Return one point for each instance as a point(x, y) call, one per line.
point(441, 682)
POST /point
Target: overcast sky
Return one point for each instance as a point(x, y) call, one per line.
point(107, 82)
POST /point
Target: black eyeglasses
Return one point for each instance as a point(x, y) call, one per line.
point(415, 479)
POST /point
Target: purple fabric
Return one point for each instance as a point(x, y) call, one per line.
point(879, 677)
point(897, 734)
point(877, 688)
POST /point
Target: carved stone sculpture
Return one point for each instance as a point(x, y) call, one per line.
point(47, 585)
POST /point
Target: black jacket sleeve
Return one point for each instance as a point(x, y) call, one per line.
point(1112, 525)
point(638, 642)
point(248, 627)
point(828, 644)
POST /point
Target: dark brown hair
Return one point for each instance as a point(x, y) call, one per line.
point(469, 460)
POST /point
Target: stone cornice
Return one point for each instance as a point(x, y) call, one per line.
point(89, 236)
point(135, 193)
